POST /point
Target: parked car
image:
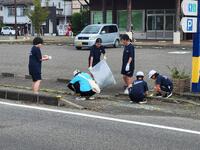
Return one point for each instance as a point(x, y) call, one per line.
point(7, 31)
point(108, 33)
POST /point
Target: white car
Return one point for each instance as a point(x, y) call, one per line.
point(108, 33)
point(7, 31)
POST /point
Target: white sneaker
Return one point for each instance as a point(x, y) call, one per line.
point(169, 95)
point(126, 91)
point(80, 98)
point(143, 102)
point(91, 98)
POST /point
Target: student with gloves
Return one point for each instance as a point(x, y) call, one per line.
point(128, 61)
point(95, 53)
point(163, 85)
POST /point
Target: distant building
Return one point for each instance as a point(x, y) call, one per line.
point(1, 11)
point(77, 5)
point(151, 19)
point(59, 14)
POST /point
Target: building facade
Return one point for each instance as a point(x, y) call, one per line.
point(1, 12)
point(59, 14)
point(151, 19)
point(77, 5)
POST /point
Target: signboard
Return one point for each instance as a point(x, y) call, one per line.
point(189, 24)
point(189, 7)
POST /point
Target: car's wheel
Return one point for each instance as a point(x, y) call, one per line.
point(2, 33)
point(78, 48)
point(116, 44)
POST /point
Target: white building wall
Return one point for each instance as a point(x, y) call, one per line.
point(1, 11)
point(11, 19)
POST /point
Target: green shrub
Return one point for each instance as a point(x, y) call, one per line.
point(79, 21)
point(76, 23)
point(178, 74)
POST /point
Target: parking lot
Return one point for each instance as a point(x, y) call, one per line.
point(14, 59)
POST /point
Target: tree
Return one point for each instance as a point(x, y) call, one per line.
point(178, 12)
point(129, 17)
point(38, 16)
point(76, 22)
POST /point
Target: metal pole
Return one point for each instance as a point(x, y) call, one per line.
point(65, 12)
point(15, 19)
point(196, 56)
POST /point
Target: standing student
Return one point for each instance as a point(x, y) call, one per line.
point(128, 62)
point(139, 89)
point(95, 53)
point(35, 63)
point(163, 85)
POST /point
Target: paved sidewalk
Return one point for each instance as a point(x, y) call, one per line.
point(107, 101)
point(69, 41)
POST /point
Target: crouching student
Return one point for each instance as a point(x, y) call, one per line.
point(163, 85)
point(139, 89)
point(80, 85)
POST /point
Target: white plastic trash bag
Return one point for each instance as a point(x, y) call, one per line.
point(103, 75)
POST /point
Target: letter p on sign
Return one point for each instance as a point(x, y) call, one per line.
point(189, 24)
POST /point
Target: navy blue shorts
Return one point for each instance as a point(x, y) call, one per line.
point(127, 73)
point(36, 77)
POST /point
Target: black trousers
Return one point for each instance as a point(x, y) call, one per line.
point(76, 88)
point(137, 98)
point(168, 89)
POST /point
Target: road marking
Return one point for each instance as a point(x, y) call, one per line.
point(104, 118)
point(179, 52)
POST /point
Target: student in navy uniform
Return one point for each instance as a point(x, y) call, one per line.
point(95, 53)
point(139, 89)
point(35, 63)
point(128, 61)
point(163, 85)
point(80, 85)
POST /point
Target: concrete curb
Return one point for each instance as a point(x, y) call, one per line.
point(169, 100)
point(28, 97)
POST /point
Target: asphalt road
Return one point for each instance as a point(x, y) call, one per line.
point(32, 128)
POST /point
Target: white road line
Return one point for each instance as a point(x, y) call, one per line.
point(104, 118)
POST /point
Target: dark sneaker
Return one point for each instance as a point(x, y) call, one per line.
point(143, 102)
point(158, 95)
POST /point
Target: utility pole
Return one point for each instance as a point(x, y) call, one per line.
point(196, 56)
point(15, 5)
point(65, 11)
point(129, 17)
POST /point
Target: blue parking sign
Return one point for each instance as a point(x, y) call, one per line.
point(189, 24)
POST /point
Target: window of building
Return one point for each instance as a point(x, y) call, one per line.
point(170, 21)
point(1, 8)
point(22, 11)
point(97, 17)
point(11, 11)
point(109, 17)
point(137, 20)
point(59, 5)
point(122, 20)
point(160, 20)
